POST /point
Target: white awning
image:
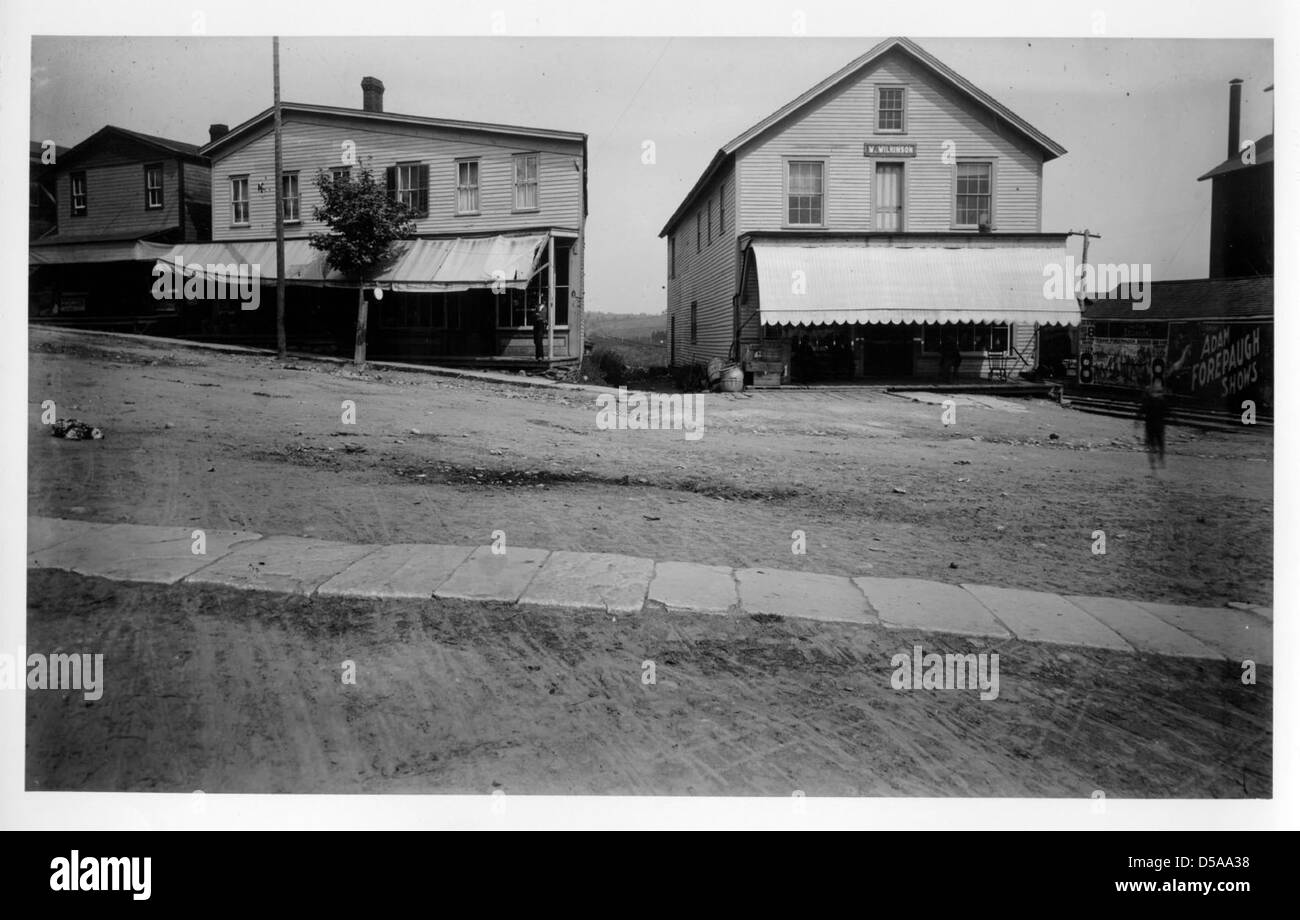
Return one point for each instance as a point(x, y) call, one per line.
point(80, 253)
point(812, 284)
point(444, 265)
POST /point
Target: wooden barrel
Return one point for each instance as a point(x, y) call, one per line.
point(733, 379)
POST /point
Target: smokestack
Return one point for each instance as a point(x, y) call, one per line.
point(216, 131)
point(372, 94)
point(1234, 117)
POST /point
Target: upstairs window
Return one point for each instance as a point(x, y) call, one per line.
point(239, 200)
point(805, 193)
point(672, 255)
point(413, 187)
point(153, 186)
point(77, 184)
point(289, 195)
point(891, 116)
point(341, 174)
point(526, 182)
point(973, 204)
point(467, 187)
point(698, 224)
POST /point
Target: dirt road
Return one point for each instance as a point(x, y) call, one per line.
point(244, 442)
point(228, 691)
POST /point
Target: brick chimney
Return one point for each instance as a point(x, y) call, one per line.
point(372, 94)
point(1234, 117)
point(216, 131)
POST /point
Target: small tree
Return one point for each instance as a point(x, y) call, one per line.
point(365, 223)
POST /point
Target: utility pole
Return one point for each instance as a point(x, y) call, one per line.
point(281, 345)
point(1087, 235)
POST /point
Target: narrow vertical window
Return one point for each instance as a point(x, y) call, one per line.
point(153, 186)
point(526, 182)
point(77, 184)
point(289, 193)
point(239, 200)
point(467, 187)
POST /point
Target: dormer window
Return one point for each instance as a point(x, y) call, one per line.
point(891, 110)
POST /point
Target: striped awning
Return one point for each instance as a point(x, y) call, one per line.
point(442, 265)
point(812, 284)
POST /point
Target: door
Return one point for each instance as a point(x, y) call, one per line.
point(889, 197)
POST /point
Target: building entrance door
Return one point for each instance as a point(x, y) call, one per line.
point(889, 197)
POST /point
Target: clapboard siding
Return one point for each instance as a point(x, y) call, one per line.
point(311, 144)
point(836, 127)
point(707, 277)
point(115, 201)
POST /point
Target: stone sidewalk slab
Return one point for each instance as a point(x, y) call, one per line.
point(43, 532)
point(1265, 612)
point(397, 570)
point(591, 581)
point(485, 576)
point(831, 598)
point(688, 587)
point(139, 552)
point(293, 565)
point(1144, 631)
point(913, 603)
point(1235, 633)
point(1039, 616)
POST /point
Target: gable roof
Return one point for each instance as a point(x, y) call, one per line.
point(244, 133)
point(163, 145)
point(1050, 148)
point(1263, 154)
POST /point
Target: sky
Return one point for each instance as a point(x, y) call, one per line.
point(1140, 118)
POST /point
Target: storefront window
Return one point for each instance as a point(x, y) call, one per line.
point(970, 337)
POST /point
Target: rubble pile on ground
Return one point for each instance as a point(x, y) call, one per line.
point(73, 430)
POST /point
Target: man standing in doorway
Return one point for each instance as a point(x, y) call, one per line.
point(539, 320)
point(949, 356)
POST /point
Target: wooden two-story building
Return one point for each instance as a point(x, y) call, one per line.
point(889, 208)
point(499, 230)
point(119, 198)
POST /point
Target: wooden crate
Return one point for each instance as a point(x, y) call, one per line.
point(767, 379)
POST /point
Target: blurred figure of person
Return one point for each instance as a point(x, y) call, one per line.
point(1153, 412)
point(949, 356)
point(539, 321)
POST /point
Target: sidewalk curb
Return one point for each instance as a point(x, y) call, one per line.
point(542, 577)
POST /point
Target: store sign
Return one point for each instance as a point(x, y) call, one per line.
point(888, 150)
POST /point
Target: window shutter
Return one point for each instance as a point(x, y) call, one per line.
point(424, 190)
point(391, 174)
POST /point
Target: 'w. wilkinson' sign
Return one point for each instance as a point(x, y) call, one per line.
point(235, 281)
